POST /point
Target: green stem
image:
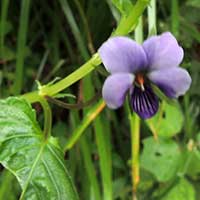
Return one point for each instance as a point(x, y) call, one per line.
point(139, 31)
point(104, 153)
point(152, 18)
point(90, 170)
point(188, 125)
point(47, 116)
point(135, 146)
point(88, 163)
point(135, 130)
point(73, 77)
point(89, 117)
point(175, 17)
point(31, 97)
point(127, 24)
point(4, 11)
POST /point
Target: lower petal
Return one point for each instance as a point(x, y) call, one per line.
point(173, 81)
point(144, 103)
point(115, 88)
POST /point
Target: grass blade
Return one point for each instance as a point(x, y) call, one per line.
point(152, 18)
point(21, 46)
point(175, 17)
point(74, 27)
point(4, 11)
point(104, 152)
point(89, 117)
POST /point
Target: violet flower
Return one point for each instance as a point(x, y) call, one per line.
point(135, 68)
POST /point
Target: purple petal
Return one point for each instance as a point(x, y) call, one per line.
point(121, 54)
point(144, 103)
point(163, 51)
point(115, 88)
point(173, 81)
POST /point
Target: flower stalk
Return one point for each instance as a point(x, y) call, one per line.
point(135, 148)
point(151, 10)
point(73, 77)
point(135, 130)
point(128, 24)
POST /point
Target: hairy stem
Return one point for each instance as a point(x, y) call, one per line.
point(47, 117)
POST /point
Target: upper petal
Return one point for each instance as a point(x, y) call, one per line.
point(163, 51)
point(173, 81)
point(122, 54)
point(115, 88)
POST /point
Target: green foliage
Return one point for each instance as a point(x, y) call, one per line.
point(37, 162)
point(161, 158)
point(183, 190)
point(168, 121)
point(192, 162)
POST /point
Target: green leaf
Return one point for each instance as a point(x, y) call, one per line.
point(124, 6)
point(161, 158)
point(167, 122)
point(146, 180)
point(193, 164)
point(183, 190)
point(36, 162)
point(119, 188)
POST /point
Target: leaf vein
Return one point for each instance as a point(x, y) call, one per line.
point(52, 178)
point(57, 157)
point(22, 135)
point(31, 171)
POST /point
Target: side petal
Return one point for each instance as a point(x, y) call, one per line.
point(122, 54)
point(163, 51)
point(115, 88)
point(173, 81)
point(144, 103)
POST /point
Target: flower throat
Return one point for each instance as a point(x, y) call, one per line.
point(140, 81)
